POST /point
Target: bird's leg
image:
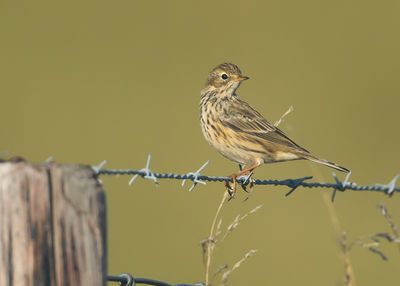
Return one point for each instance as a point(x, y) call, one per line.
point(245, 171)
point(244, 184)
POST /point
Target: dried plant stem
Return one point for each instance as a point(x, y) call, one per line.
point(227, 273)
point(210, 242)
point(238, 219)
point(340, 234)
point(279, 121)
point(395, 231)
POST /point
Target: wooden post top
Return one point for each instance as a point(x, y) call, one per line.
point(52, 225)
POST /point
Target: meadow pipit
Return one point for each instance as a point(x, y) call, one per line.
point(239, 132)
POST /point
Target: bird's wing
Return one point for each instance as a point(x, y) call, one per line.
point(241, 117)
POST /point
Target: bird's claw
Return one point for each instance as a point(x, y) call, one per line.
point(251, 185)
point(231, 188)
point(248, 181)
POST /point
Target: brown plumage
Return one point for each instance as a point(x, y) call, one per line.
point(238, 131)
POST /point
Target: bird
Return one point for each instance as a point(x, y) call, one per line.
point(239, 132)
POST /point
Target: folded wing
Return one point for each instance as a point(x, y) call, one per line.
point(241, 117)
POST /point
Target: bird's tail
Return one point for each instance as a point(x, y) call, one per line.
point(326, 163)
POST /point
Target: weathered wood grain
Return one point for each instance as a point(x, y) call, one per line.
point(52, 225)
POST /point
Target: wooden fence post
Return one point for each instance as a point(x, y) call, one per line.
point(52, 225)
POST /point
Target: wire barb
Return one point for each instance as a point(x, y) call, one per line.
point(194, 177)
point(98, 167)
point(391, 186)
point(341, 186)
point(294, 184)
point(145, 173)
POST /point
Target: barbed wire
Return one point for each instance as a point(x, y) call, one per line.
point(196, 178)
point(126, 279)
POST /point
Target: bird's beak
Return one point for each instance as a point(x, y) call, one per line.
point(242, 78)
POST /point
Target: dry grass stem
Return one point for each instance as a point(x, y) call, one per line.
point(231, 227)
point(349, 279)
point(348, 268)
point(227, 273)
point(218, 231)
point(373, 241)
point(221, 269)
point(279, 121)
point(208, 245)
point(395, 230)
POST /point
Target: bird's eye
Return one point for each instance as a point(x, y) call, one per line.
point(224, 76)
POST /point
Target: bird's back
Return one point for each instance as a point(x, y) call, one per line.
point(242, 134)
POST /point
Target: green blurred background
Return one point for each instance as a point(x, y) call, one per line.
point(86, 81)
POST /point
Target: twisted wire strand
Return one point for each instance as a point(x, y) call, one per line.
point(388, 189)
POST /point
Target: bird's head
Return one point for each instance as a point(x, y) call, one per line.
point(225, 78)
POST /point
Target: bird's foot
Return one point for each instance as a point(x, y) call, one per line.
point(248, 181)
point(231, 187)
